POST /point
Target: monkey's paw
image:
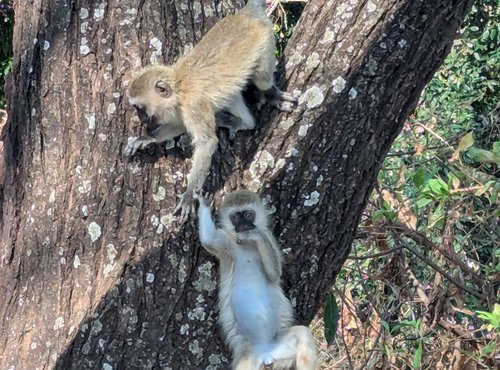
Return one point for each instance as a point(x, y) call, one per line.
point(186, 205)
point(135, 143)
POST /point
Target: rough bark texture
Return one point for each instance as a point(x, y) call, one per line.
point(95, 272)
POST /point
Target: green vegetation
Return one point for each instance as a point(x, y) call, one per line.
point(419, 291)
point(6, 28)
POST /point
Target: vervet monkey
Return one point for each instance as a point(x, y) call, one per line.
point(256, 316)
point(184, 97)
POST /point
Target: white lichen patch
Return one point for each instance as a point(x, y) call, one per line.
point(99, 12)
point(52, 196)
point(111, 108)
point(90, 117)
point(84, 13)
point(338, 85)
point(279, 165)
point(329, 35)
point(353, 93)
point(319, 180)
point(263, 161)
point(59, 323)
point(195, 349)
point(46, 45)
point(112, 252)
point(76, 262)
point(184, 329)
point(312, 97)
point(96, 327)
point(214, 361)
point(312, 199)
point(167, 219)
point(160, 194)
point(303, 130)
point(312, 61)
point(205, 281)
point(106, 366)
point(287, 124)
point(84, 27)
point(94, 231)
point(84, 49)
point(85, 211)
point(371, 7)
point(150, 277)
point(85, 187)
point(157, 45)
point(182, 272)
point(402, 43)
point(197, 313)
point(102, 137)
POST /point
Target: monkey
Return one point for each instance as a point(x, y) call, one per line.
point(185, 97)
point(255, 315)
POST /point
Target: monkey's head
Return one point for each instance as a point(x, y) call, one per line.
point(152, 94)
point(242, 211)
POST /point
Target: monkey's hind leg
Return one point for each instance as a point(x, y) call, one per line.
point(263, 79)
point(239, 117)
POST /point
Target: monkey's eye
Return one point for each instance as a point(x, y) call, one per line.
point(249, 215)
point(163, 89)
point(235, 217)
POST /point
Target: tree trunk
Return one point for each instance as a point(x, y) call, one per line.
point(95, 271)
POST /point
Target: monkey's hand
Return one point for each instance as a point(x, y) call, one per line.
point(135, 143)
point(186, 205)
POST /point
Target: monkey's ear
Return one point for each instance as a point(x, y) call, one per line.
point(163, 89)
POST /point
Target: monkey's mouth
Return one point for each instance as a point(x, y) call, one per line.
point(244, 227)
point(151, 125)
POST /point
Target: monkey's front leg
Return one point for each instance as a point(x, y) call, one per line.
point(211, 237)
point(160, 134)
point(205, 143)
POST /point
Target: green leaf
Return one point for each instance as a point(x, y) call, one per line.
point(331, 318)
point(437, 217)
point(483, 156)
point(417, 358)
point(419, 178)
point(465, 142)
point(423, 202)
point(496, 147)
point(438, 187)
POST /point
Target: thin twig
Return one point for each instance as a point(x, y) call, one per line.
point(375, 255)
point(438, 269)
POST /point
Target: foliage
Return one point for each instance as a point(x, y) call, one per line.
point(6, 29)
point(419, 291)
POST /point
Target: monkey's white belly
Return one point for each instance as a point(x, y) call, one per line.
point(253, 300)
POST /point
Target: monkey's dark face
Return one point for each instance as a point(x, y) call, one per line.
point(243, 220)
point(150, 123)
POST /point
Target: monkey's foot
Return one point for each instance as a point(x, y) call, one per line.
point(267, 363)
point(135, 143)
point(278, 99)
point(186, 205)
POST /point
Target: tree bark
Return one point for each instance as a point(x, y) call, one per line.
point(95, 271)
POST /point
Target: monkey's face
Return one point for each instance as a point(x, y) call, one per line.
point(151, 94)
point(243, 220)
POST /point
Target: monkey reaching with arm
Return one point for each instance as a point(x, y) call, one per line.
point(256, 316)
point(184, 97)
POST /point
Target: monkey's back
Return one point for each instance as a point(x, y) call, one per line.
point(220, 65)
